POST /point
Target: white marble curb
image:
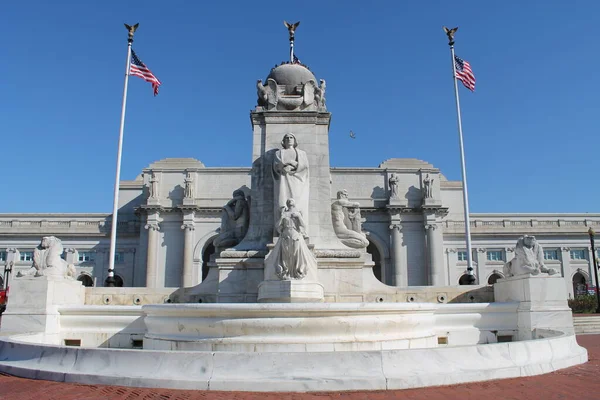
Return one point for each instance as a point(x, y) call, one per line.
point(297, 372)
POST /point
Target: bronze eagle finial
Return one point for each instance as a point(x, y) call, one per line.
point(291, 28)
point(450, 33)
point(131, 30)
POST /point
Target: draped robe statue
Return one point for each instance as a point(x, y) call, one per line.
point(293, 258)
point(290, 175)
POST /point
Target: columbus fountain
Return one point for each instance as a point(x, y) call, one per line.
point(290, 302)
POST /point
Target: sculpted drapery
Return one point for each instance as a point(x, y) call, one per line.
point(293, 258)
point(290, 174)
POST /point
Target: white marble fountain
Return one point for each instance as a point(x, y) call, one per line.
point(290, 302)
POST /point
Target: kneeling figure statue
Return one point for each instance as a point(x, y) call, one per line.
point(529, 259)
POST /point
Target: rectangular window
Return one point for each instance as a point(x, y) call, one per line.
point(550, 254)
point(462, 256)
point(2, 256)
point(119, 257)
point(495, 255)
point(86, 256)
point(578, 254)
point(26, 256)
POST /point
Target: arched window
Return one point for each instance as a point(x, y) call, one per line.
point(86, 280)
point(464, 279)
point(209, 250)
point(493, 278)
point(374, 252)
point(579, 284)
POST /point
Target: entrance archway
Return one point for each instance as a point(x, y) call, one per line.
point(579, 284)
point(86, 280)
point(493, 278)
point(374, 252)
point(209, 250)
point(464, 279)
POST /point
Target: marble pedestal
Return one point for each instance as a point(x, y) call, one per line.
point(542, 303)
point(32, 303)
point(292, 291)
point(398, 202)
point(429, 202)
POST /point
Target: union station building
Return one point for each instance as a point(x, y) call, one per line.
point(171, 213)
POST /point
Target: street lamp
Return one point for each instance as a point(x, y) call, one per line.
point(592, 233)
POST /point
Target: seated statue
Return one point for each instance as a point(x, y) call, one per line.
point(234, 221)
point(345, 216)
point(529, 259)
point(47, 260)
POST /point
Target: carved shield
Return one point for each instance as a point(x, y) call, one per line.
point(309, 92)
point(273, 93)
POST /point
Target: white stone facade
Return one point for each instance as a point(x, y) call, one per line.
point(165, 241)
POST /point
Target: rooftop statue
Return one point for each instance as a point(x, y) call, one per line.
point(428, 187)
point(393, 183)
point(189, 186)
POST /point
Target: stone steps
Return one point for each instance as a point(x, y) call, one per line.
point(587, 324)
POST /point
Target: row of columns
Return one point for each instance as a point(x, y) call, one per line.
point(154, 272)
point(434, 251)
point(434, 244)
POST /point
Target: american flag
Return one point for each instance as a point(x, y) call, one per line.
point(464, 73)
point(138, 68)
point(296, 60)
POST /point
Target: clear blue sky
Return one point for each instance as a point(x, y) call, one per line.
point(531, 128)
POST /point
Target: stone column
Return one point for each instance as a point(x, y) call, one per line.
point(151, 266)
point(565, 260)
point(480, 266)
point(12, 256)
point(71, 257)
point(187, 278)
point(435, 250)
point(400, 270)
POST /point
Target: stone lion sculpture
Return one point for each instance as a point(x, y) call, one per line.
point(47, 260)
point(529, 259)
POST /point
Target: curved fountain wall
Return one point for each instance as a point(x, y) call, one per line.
point(281, 327)
point(290, 371)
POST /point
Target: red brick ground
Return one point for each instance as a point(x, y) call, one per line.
point(580, 382)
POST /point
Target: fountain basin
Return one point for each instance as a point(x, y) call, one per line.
point(290, 327)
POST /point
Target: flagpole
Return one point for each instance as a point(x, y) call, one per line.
point(470, 276)
point(292, 31)
point(110, 280)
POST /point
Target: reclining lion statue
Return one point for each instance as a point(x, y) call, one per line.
point(529, 259)
point(47, 260)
